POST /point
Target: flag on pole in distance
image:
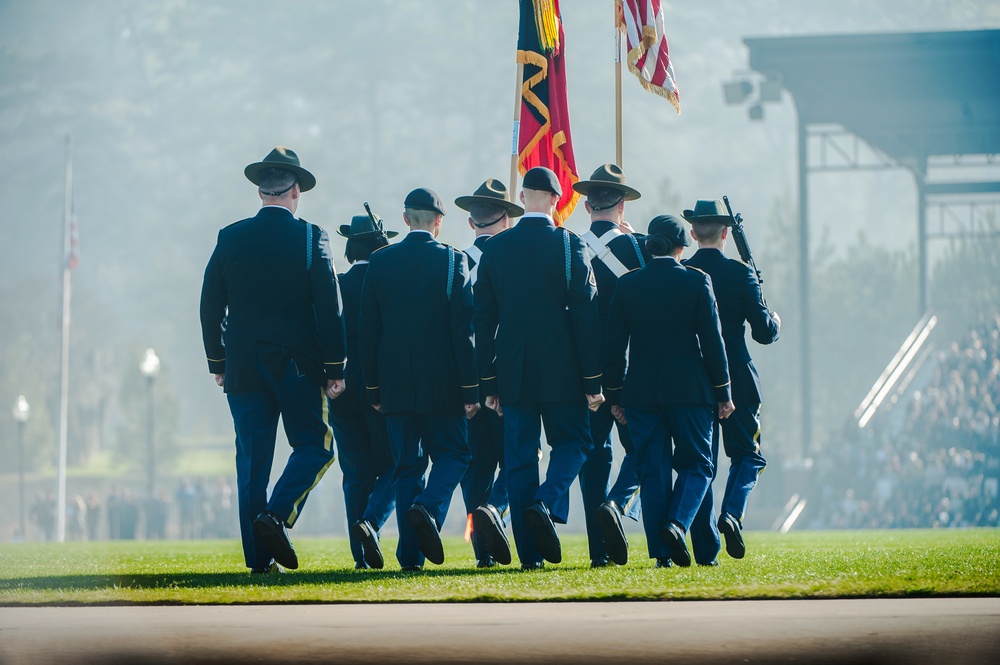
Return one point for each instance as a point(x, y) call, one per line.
point(647, 56)
point(544, 136)
point(73, 260)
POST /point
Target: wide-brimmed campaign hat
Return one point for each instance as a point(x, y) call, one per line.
point(361, 225)
point(708, 210)
point(285, 159)
point(609, 176)
point(492, 191)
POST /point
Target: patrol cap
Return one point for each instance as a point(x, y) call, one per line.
point(542, 179)
point(424, 199)
point(669, 228)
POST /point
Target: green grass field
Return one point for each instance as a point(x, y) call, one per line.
point(831, 564)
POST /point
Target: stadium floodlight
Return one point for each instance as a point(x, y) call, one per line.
point(736, 92)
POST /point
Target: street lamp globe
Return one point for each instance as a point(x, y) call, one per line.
point(21, 409)
point(150, 366)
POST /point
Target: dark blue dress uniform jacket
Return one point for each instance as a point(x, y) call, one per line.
point(666, 315)
point(353, 398)
point(547, 348)
point(739, 299)
point(271, 279)
point(415, 340)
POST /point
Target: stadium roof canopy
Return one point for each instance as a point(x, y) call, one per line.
point(910, 95)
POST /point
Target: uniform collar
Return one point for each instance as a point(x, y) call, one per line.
point(601, 226)
point(710, 251)
point(536, 219)
point(419, 235)
point(480, 240)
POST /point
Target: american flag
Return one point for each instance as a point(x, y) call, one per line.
point(647, 57)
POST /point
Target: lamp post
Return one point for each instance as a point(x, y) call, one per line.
point(21, 412)
point(150, 367)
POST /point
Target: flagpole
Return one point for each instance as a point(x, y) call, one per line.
point(512, 191)
point(618, 90)
point(64, 368)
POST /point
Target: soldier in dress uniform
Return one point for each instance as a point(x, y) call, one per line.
point(484, 487)
point(740, 301)
point(273, 332)
point(614, 250)
point(360, 431)
point(677, 383)
point(418, 359)
point(540, 361)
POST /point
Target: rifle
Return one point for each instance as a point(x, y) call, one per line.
point(740, 238)
point(376, 222)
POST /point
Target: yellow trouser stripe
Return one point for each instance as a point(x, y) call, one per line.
point(327, 445)
point(631, 500)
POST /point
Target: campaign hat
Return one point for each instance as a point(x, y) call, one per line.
point(424, 199)
point(542, 179)
point(708, 210)
point(609, 176)
point(285, 159)
point(491, 191)
point(361, 225)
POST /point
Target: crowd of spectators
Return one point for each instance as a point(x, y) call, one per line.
point(198, 509)
point(940, 467)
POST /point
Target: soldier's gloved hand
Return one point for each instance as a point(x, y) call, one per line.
point(726, 409)
point(334, 388)
point(471, 410)
point(594, 402)
point(777, 319)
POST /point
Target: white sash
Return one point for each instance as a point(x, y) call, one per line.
point(598, 247)
point(476, 255)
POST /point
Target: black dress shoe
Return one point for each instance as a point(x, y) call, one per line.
point(487, 521)
point(546, 539)
point(730, 528)
point(368, 537)
point(271, 530)
point(361, 565)
point(673, 536)
point(270, 569)
point(664, 562)
point(533, 565)
point(599, 563)
point(713, 562)
point(610, 522)
point(427, 533)
point(411, 569)
point(488, 562)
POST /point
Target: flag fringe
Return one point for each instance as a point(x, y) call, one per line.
point(547, 24)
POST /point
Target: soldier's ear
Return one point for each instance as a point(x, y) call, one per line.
point(406, 220)
point(471, 225)
point(586, 204)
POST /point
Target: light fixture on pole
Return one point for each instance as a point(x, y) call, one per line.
point(21, 412)
point(150, 367)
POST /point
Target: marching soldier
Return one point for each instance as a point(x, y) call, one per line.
point(740, 301)
point(418, 360)
point(274, 336)
point(614, 250)
point(362, 437)
point(677, 382)
point(540, 361)
point(484, 489)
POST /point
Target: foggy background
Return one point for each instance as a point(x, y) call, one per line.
point(166, 102)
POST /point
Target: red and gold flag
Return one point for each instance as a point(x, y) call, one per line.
point(543, 136)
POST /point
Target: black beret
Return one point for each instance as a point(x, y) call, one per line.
point(424, 199)
point(542, 179)
point(669, 228)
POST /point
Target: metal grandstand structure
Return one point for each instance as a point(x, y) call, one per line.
point(925, 102)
